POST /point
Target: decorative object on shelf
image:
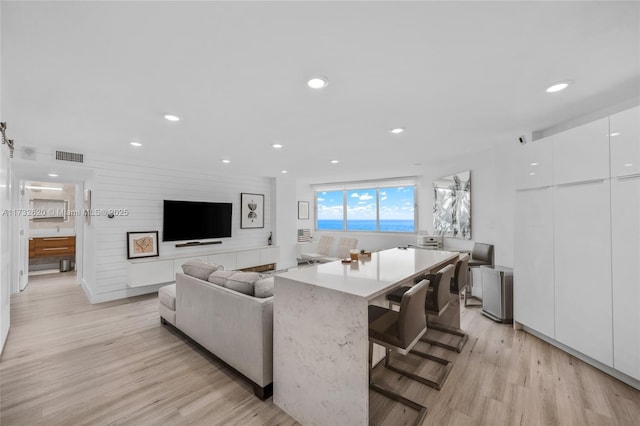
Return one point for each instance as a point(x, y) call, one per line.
point(251, 210)
point(142, 244)
point(452, 206)
point(353, 254)
point(270, 240)
point(304, 235)
point(87, 206)
point(8, 142)
point(365, 253)
point(303, 210)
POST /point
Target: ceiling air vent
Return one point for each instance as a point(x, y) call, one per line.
point(70, 156)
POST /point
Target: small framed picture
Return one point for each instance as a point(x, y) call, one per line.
point(251, 211)
point(142, 244)
point(303, 210)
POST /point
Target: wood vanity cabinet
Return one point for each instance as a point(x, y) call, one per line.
point(52, 246)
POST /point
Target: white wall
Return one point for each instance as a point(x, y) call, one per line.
point(5, 259)
point(141, 188)
point(286, 213)
point(492, 205)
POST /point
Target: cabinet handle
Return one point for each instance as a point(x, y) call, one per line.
point(55, 248)
point(584, 182)
point(55, 239)
point(634, 176)
point(533, 189)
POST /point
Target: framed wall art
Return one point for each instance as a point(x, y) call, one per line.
point(303, 210)
point(142, 244)
point(251, 211)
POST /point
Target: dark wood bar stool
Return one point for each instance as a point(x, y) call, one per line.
point(399, 332)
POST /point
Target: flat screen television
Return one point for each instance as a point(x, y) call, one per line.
point(189, 220)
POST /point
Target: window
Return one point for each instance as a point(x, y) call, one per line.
point(330, 213)
point(361, 210)
point(382, 209)
point(397, 209)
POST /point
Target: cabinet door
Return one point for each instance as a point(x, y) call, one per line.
point(248, 258)
point(583, 269)
point(625, 233)
point(149, 273)
point(228, 260)
point(534, 166)
point(533, 285)
point(625, 142)
point(582, 154)
point(269, 255)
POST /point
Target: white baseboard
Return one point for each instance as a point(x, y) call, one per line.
point(594, 363)
point(118, 294)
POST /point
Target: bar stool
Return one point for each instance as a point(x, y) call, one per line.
point(482, 254)
point(428, 308)
point(458, 283)
point(399, 332)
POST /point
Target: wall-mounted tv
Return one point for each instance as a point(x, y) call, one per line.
point(190, 220)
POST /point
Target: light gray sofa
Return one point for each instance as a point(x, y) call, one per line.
point(237, 328)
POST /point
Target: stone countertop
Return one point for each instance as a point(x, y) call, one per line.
point(370, 277)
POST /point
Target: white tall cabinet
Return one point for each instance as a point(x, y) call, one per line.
point(577, 248)
point(625, 237)
point(533, 296)
point(583, 269)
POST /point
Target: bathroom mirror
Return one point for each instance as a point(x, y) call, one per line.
point(46, 210)
point(452, 206)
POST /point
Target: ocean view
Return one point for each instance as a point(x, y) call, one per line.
point(367, 225)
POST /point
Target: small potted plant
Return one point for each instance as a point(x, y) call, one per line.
point(365, 253)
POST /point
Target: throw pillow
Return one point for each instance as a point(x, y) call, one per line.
point(220, 277)
point(199, 269)
point(263, 288)
point(242, 282)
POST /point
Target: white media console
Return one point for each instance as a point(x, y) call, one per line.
point(159, 270)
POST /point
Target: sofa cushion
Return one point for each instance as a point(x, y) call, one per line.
point(242, 282)
point(220, 277)
point(167, 296)
point(199, 269)
point(263, 288)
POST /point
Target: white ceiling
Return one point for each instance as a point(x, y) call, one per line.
point(461, 77)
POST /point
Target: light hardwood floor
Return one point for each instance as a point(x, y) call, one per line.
point(67, 362)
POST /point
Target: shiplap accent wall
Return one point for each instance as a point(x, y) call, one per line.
point(141, 189)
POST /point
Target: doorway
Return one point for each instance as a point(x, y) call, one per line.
point(49, 231)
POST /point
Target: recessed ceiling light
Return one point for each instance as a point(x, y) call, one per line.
point(614, 134)
point(335, 161)
point(277, 145)
point(52, 175)
point(318, 82)
point(225, 161)
point(628, 165)
point(533, 164)
point(396, 131)
point(136, 144)
point(171, 117)
point(532, 173)
point(283, 171)
point(557, 87)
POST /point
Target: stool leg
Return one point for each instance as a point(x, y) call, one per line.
point(421, 409)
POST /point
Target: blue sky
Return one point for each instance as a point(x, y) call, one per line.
point(395, 204)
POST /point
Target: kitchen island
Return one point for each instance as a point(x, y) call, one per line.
point(320, 331)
